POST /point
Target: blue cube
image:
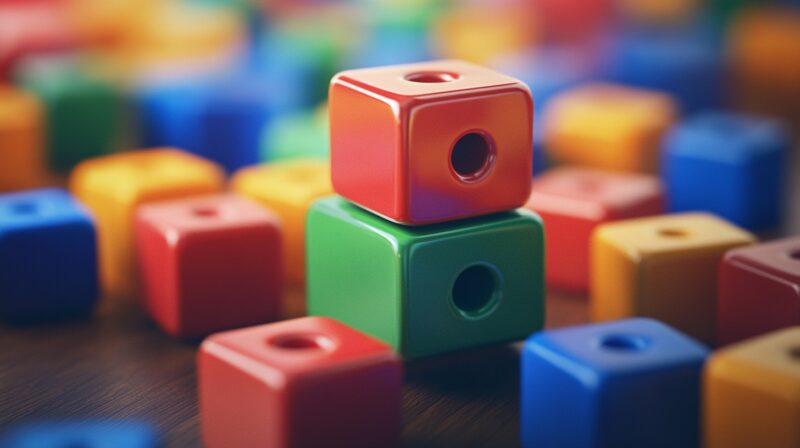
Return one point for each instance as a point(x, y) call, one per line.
point(48, 256)
point(631, 383)
point(89, 434)
point(727, 164)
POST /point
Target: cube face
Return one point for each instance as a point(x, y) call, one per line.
point(21, 142)
point(628, 383)
point(407, 127)
point(752, 393)
point(209, 264)
point(48, 256)
point(759, 290)
point(608, 127)
point(572, 202)
point(114, 186)
point(730, 165)
point(90, 434)
point(663, 267)
point(284, 384)
point(440, 288)
point(288, 189)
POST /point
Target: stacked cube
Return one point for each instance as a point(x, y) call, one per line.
point(425, 249)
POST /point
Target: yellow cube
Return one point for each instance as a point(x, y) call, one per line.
point(664, 267)
point(22, 162)
point(609, 127)
point(114, 186)
point(288, 189)
point(752, 393)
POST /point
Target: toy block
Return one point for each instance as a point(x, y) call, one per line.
point(573, 201)
point(730, 165)
point(429, 289)
point(48, 256)
point(22, 163)
point(608, 127)
point(114, 186)
point(663, 267)
point(629, 383)
point(572, 20)
point(288, 189)
point(297, 136)
point(432, 142)
point(305, 382)
point(752, 393)
point(659, 13)
point(209, 264)
point(86, 434)
point(759, 290)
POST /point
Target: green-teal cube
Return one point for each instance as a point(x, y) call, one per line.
point(426, 289)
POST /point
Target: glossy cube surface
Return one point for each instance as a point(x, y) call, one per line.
point(752, 393)
point(432, 142)
point(429, 289)
point(759, 290)
point(208, 264)
point(731, 165)
point(663, 267)
point(86, 434)
point(573, 201)
point(629, 383)
point(48, 256)
point(305, 382)
point(288, 189)
point(22, 156)
point(608, 126)
point(114, 186)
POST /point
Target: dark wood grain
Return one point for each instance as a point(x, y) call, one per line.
point(118, 365)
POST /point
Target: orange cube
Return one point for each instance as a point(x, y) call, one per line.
point(114, 186)
point(608, 127)
point(21, 140)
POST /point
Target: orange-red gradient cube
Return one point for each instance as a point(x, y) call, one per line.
point(573, 201)
point(309, 382)
point(431, 142)
point(209, 264)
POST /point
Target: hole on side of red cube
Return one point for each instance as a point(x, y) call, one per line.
point(205, 212)
point(476, 291)
point(624, 342)
point(673, 233)
point(24, 208)
point(795, 254)
point(472, 156)
point(432, 77)
point(302, 341)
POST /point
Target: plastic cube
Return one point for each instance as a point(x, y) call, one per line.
point(752, 393)
point(759, 290)
point(84, 434)
point(630, 383)
point(306, 382)
point(432, 142)
point(209, 264)
point(48, 256)
point(114, 186)
point(573, 201)
point(21, 140)
point(663, 267)
point(729, 165)
point(426, 290)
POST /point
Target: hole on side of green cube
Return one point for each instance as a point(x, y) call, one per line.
point(473, 156)
point(24, 208)
point(432, 77)
point(673, 233)
point(476, 291)
point(624, 342)
point(302, 341)
point(205, 212)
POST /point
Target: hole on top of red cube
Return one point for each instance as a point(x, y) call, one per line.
point(205, 212)
point(673, 233)
point(302, 342)
point(472, 156)
point(432, 77)
point(24, 208)
point(476, 291)
point(624, 342)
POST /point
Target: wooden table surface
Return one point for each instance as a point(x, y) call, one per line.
point(118, 365)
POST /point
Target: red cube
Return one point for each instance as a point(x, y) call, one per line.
point(432, 142)
point(209, 264)
point(572, 202)
point(759, 290)
point(308, 382)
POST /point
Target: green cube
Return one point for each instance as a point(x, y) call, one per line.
point(426, 289)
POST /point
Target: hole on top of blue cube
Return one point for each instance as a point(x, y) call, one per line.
point(472, 156)
point(432, 77)
point(476, 291)
point(302, 342)
point(673, 233)
point(205, 212)
point(624, 342)
point(24, 208)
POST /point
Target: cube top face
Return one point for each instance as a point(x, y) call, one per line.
point(296, 347)
point(779, 258)
point(593, 194)
point(295, 181)
point(140, 174)
point(36, 208)
point(668, 234)
point(18, 109)
point(626, 346)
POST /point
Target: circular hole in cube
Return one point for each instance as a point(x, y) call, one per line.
point(795, 255)
point(305, 342)
point(432, 77)
point(794, 353)
point(472, 156)
point(624, 342)
point(475, 291)
point(24, 208)
point(673, 233)
point(205, 212)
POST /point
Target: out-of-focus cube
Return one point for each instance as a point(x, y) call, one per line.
point(22, 163)
point(572, 20)
point(297, 136)
point(85, 434)
point(659, 12)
